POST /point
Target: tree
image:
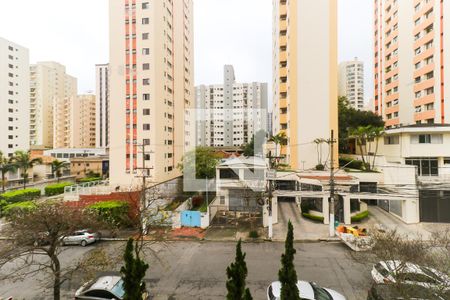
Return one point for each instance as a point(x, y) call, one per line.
point(350, 119)
point(236, 273)
point(37, 237)
point(287, 274)
point(205, 159)
point(133, 272)
point(364, 136)
point(279, 139)
point(24, 162)
point(256, 144)
point(58, 167)
point(5, 167)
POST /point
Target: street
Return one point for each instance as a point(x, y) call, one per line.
point(196, 270)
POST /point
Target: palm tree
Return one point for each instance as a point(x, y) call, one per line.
point(279, 139)
point(24, 162)
point(5, 167)
point(58, 167)
point(366, 135)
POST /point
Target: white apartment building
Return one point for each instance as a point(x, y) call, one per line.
point(14, 98)
point(151, 87)
point(74, 122)
point(102, 105)
point(49, 84)
point(244, 103)
point(351, 82)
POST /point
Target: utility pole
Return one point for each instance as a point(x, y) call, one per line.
point(332, 184)
point(269, 206)
point(145, 174)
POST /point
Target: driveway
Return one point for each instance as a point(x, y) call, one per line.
point(304, 229)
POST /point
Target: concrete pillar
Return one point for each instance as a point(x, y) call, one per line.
point(275, 210)
point(265, 216)
point(326, 210)
point(347, 211)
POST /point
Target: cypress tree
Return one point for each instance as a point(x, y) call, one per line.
point(236, 273)
point(133, 273)
point(287, 274)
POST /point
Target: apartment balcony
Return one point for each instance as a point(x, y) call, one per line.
point(283, 103)
point(283, 119)
point(283, 9)
point(283, 88)
point(283, 24)
point(283, 40)
point(283, 56)
point(425, 115)
point(283, 72)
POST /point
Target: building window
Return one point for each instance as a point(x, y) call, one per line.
point(392, 140)
point(146, 51)
point(146, 112)
point(146, 97)
point(425, 139)
point(426, 166)
point(146, 142)
point(145, 36)
point(446, 160)
point(145, 21)
point(146, 127)
point(145, 5)
point(146, 81)
point(146, 67)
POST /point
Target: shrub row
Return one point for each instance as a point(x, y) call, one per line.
point(20, 195)
point(56, 189)
point(312, 217)
point(355, 164)
point(10, 209)
point(360, 216)
point(112, 212)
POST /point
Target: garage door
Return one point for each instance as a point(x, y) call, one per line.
point(435, 206)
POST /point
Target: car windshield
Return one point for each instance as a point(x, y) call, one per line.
point(430, 273)
point(118, 290)
point(320, 293)
point(382, 270)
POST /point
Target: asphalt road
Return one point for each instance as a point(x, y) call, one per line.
point(196, 270)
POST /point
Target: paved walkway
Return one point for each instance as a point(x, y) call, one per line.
point(304, 229)
point(378, 217)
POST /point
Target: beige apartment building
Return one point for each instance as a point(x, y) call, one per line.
point(74, 122)
point(152, 87)
point(49, 84)
point(305, 84)
point(412, 61)
point(14, 98)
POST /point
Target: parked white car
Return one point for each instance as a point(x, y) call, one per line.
point(387, 272)
point(308, 291)
point(80, 237)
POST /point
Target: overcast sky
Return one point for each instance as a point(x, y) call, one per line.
point(238, 32)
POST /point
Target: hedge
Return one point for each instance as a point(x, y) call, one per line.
point(8, 210)
point(312, 217)
point(56, 189)
point(360, 216)
point(89, 179)
point(20, 195)
point(112, 212)
point(355, 164)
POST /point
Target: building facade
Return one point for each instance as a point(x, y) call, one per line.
point(49, 85)
point(305, 83)
point(151, 82)
point(412, 61)
point(14, 98)
point(245, 102)
point(74, 122)
point(351, 82)
point(102, 105)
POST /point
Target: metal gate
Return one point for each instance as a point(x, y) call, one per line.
point(191, 218)
point(434, 206)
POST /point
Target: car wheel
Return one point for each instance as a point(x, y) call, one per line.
point(83, 243)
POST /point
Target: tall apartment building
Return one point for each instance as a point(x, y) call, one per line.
point(74, 122)
point(351, 82)
point(102, 105)
point(14, 97)
point(412, 61)
point(246, 104)
point(49, 84)
point(305, 83)
point(151, 84)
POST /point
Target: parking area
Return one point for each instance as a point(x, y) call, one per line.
point(197, 270)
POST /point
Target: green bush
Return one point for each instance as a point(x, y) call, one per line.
point(112, 212)
point(10, 209)
point(312, 217)
point(306, 206)
point(355, 164)
point(89, 179)
point(20, 195)
point(253, 234)
point(56, 189)
point(320, 167)
point(360, 216)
